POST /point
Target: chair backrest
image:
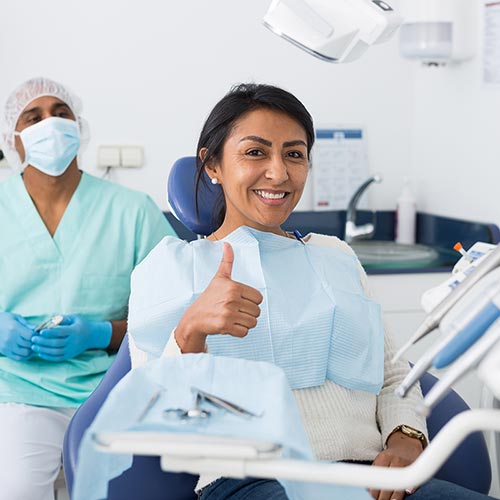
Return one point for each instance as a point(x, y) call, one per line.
point(469, 466)
point(182, 197)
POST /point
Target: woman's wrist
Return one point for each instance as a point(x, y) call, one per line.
point(397, 439)
point(189, 340)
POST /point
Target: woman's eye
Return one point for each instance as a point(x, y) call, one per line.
point(298, 155)
point(255, 152)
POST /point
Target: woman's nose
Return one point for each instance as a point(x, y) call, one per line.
point(277, 170)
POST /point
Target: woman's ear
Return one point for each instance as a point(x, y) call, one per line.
point(202, 154)
point(211, 167)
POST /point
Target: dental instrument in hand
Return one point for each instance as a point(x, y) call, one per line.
point(431, 322)
point(50, 323)
point(226, 405)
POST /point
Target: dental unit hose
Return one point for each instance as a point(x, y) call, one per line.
point(476, 317)
point(432, 321)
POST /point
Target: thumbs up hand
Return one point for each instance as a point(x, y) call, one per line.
point(225, 307)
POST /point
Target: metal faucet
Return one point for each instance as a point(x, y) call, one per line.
point(353, 232)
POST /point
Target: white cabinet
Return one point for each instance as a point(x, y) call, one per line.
point(399, 295)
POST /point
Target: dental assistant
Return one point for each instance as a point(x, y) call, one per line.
point(69, 242)
point(252, 290)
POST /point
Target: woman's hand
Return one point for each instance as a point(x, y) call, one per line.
point(225, 307)
point(401, 451)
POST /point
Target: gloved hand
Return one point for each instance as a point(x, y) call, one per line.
point(15, 336)
point(72, 337)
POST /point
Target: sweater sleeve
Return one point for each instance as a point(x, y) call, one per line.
point(391, 409)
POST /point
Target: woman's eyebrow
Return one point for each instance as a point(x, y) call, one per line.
point(256, 138)
point(287, 144)
point(298, 142)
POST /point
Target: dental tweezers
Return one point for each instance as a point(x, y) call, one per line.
point(226, 405)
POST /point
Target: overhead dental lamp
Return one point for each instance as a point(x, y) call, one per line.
point(333, 30)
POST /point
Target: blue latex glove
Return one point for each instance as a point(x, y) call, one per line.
point(15, 336)
point(72, 337)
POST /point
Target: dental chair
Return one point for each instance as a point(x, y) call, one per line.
point(468, 466)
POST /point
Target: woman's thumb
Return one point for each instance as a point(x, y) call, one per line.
point(226, 265)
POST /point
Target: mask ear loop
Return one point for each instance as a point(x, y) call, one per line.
point(24, 164)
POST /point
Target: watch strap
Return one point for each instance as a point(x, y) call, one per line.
point(410, 432)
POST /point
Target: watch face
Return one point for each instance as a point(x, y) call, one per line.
point(409, 431)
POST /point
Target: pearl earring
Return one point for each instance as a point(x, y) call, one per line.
point(214, 180)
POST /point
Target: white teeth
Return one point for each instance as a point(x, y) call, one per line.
point(270, 196)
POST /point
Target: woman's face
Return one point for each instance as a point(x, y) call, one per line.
point(263, 170)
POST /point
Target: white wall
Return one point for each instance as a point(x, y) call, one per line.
point(149, 73)
point(456, 143)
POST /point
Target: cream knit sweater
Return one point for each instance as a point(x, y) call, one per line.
point(341, 423)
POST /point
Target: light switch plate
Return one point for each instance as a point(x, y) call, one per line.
point(132, 156)
point(108, 156)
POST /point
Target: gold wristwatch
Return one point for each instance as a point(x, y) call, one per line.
point(410, 432)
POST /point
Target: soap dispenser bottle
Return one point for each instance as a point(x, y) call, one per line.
point(406, 216)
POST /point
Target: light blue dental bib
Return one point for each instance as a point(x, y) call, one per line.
point(315, 323)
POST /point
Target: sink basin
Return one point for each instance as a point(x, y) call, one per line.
point(391, 254)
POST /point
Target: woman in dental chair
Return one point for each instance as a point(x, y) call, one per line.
point(252, 290)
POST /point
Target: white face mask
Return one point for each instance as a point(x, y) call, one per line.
point(51, 145)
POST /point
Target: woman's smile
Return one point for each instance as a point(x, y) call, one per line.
point(271, 196)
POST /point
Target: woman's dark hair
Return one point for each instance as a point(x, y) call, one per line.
point(242, 99)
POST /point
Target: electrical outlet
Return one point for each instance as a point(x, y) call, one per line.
point(120, 156)
point(108, 156)
point(132, 156)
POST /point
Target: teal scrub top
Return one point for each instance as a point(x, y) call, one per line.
point(83, 269)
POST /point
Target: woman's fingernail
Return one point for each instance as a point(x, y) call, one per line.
point(410, 491)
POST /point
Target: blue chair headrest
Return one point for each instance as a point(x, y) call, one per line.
point(182, 196)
